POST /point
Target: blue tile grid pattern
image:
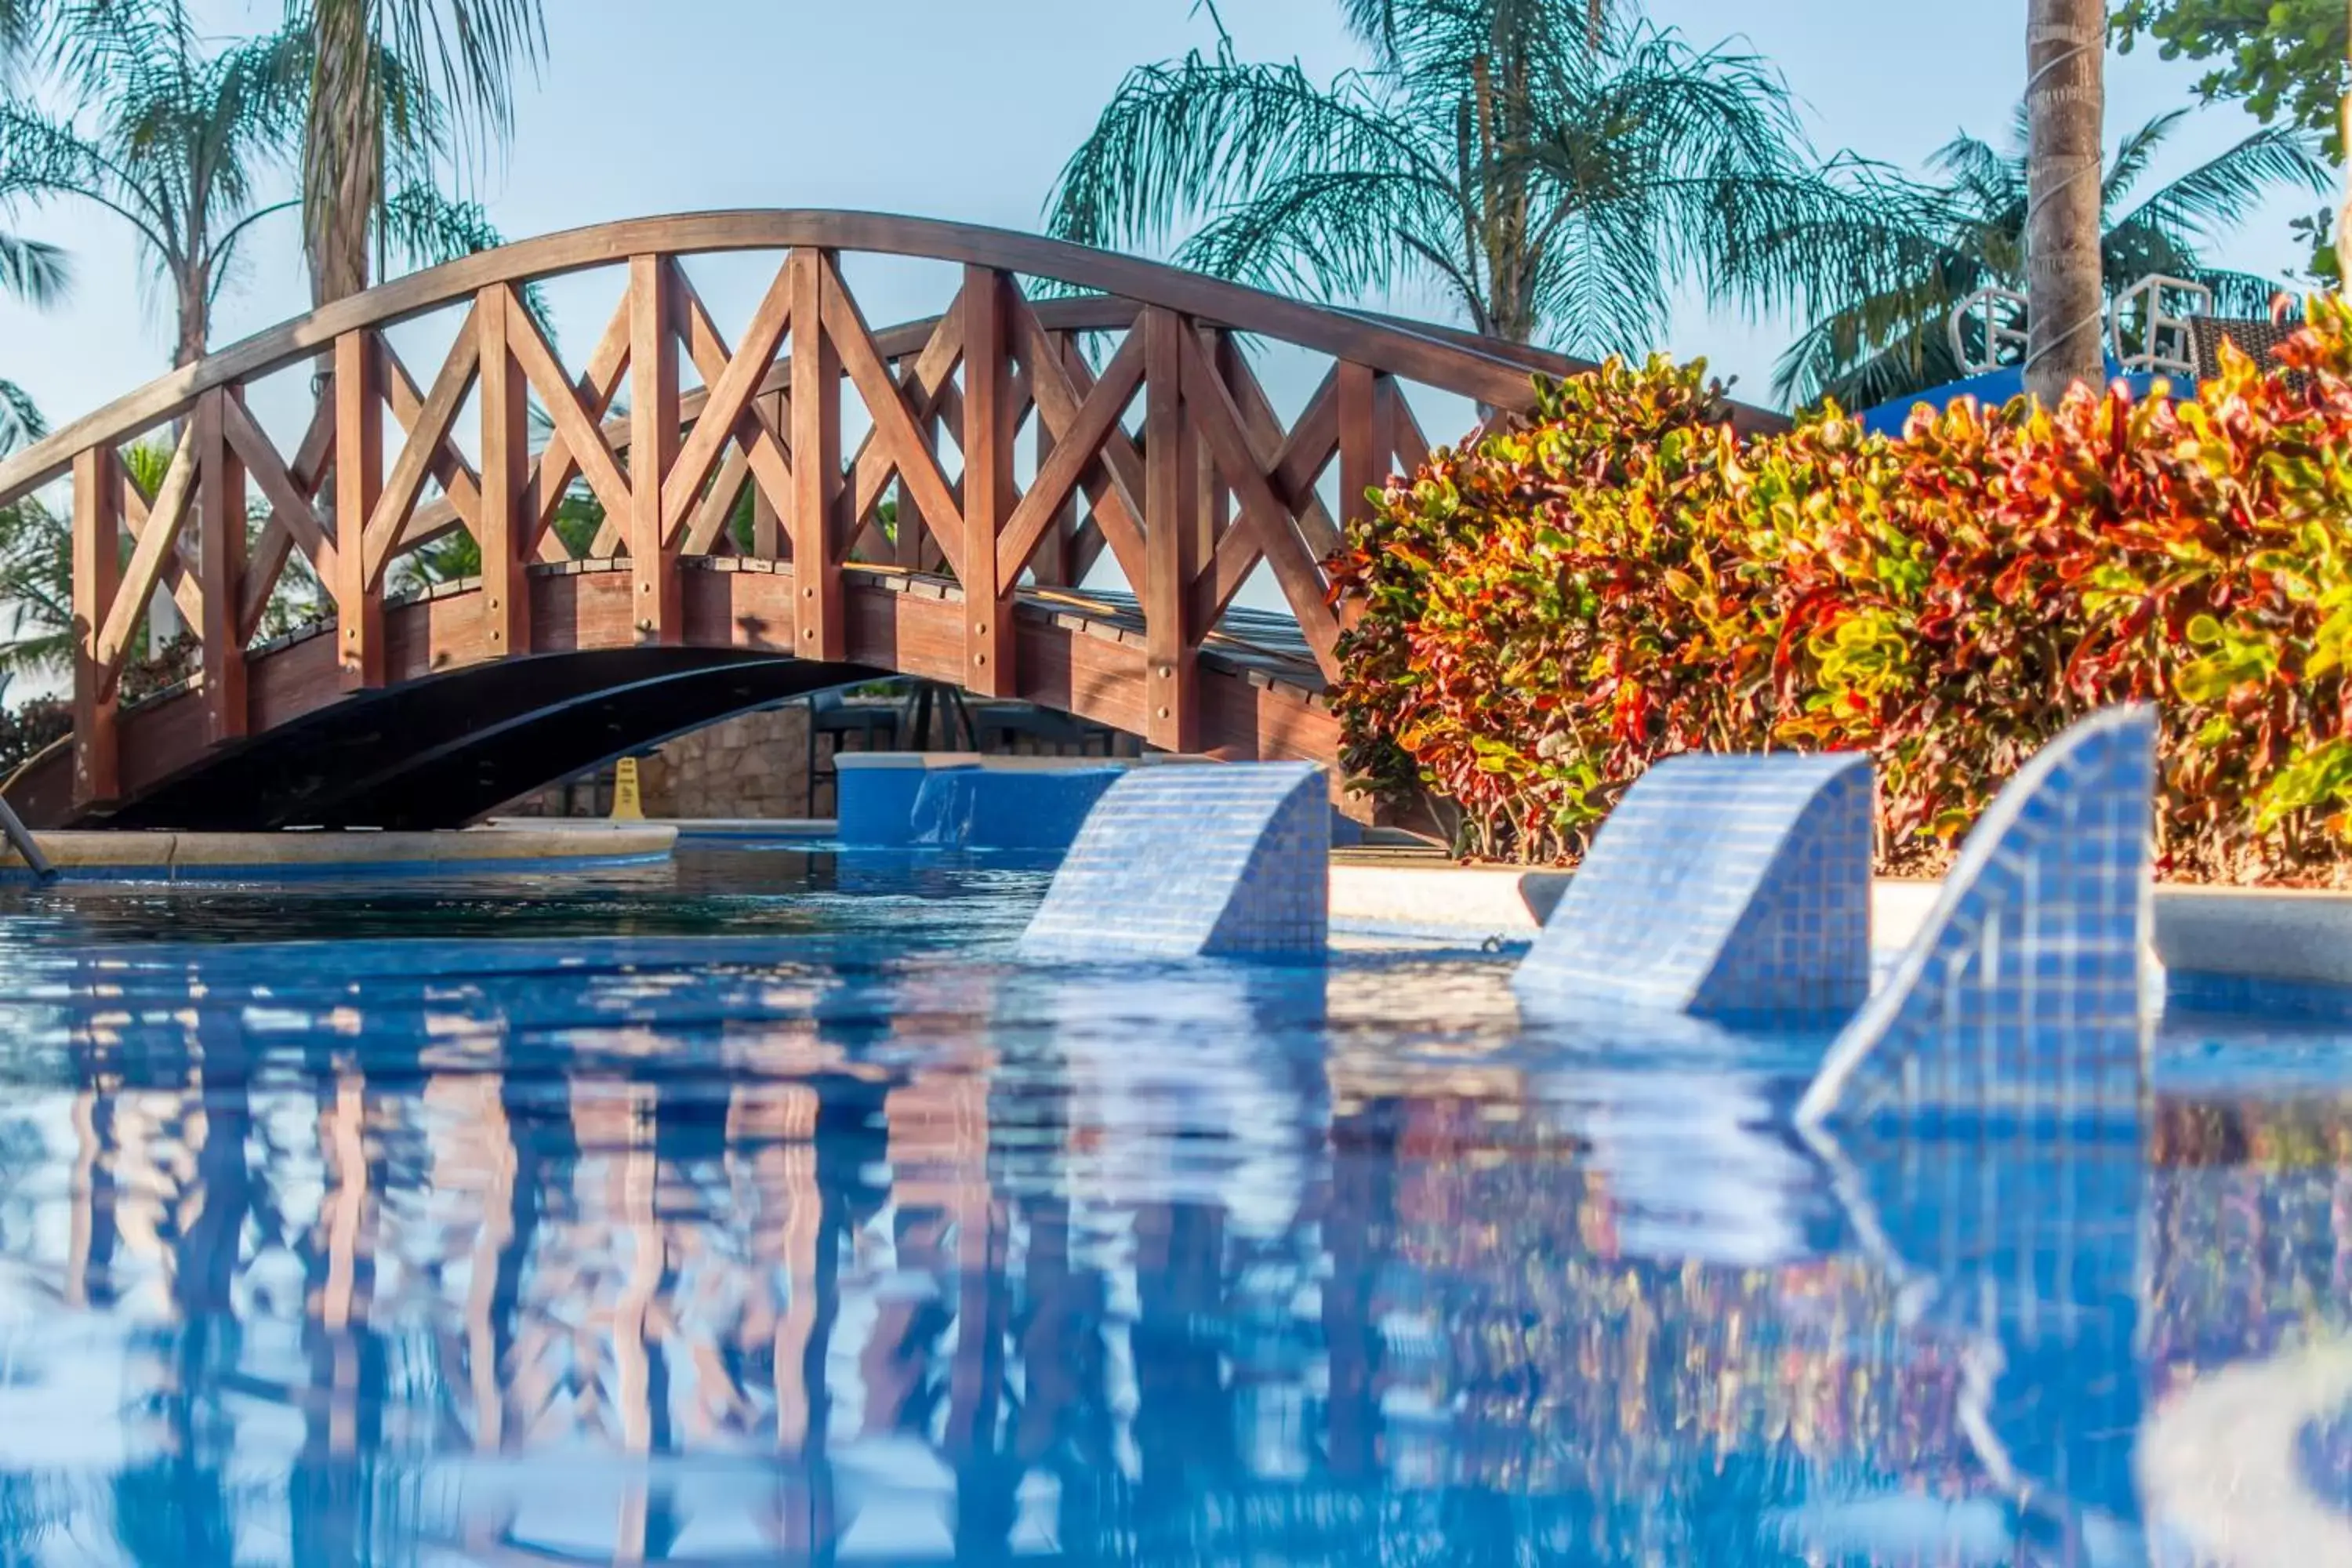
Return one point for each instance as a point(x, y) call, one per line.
point(1187, 860)
point(1722, 886)
point(2022, 996)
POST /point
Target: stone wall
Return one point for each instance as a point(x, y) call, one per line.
point(754, 765)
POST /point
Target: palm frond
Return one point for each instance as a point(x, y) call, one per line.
point(20, 418)
point(33, 270)
point(2220, 195)
point(2134, 156)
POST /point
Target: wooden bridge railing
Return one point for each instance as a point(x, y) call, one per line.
point(1188, 502)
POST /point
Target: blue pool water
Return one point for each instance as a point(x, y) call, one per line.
point(764, 1209)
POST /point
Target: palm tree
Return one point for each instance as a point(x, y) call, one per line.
point(393, 86)
point(2065, 109)
point(29, 269)
point(1892, 341)
point(1551, 165)
point(166, 135)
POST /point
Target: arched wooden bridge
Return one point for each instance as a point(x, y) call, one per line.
point(429, 708)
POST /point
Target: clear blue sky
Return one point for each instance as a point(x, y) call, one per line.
point(966, 109)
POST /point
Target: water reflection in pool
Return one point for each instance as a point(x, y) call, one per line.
point(852, 1240)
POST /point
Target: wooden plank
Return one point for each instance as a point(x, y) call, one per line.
point(894, 423)
point(428, 435)
point(653, 446)
point(220, 521)
point(299, 484)
point(359, 480)
point(288, 497)
point(820, 631)
point(1077, 445)
point(146, 567)
point(98, 482)
point(505, 525)
point(1172, 703)
point(730, 397)
point(584, 440)
point(1219, 423)
point(461, 487)
point(988, 492)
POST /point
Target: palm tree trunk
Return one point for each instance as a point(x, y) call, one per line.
point(343, 154)
point(2064, 107)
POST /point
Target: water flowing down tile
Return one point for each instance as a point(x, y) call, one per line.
point(2022, 996)
point(1182, 860)
point(1725, 886)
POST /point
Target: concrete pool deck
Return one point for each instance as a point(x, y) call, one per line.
point(170, 857)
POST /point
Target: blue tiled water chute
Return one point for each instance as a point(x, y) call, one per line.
point(1191, 860)
point(1727, 887)
point(2022, 996)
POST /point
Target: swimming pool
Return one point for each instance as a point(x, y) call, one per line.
point(766, 1209)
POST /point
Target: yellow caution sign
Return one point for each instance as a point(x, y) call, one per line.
point(628, 805)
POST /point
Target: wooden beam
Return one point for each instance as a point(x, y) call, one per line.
point(428, 438)
point(505, 524)
point(559, 463)
point(767, 512)
point(220, 519)
point(1060, 385)
point(926, 382)
point(97, 578)
point(179, 580)
point(1171, 694)
point(584, 440)
point(1363, 442)
point(894, 423)
point(822, 631)
point(1077, 445)
point(1219, 423)
point(655, 593)
point(146, 567)
point(358, 481)
point(988, 492)
point(759, 427)
point(729, 400)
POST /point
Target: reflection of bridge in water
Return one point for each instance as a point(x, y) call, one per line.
point(466, 1263)
point(748, 552)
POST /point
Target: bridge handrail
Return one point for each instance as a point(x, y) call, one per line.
point(1491, 373)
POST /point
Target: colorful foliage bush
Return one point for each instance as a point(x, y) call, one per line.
point(1558, 602)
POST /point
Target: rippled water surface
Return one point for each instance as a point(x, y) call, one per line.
point(762, 1208)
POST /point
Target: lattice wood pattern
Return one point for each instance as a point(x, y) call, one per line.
point(1169, 458)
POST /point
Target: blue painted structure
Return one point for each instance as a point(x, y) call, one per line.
point(2022, 996)
point(985, 809)
point(875, 800)
point(1724, 886)
point(1196, 860)
point(1994, 389)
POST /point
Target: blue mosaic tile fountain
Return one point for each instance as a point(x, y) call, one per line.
point(1728, 886)
point(2022, 996)
point(1196, 860)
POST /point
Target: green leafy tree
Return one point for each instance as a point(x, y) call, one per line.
point(1552, 166)
point(1893, 341)
point(2283, 59)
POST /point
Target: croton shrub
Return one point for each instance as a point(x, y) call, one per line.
point(1562, 599)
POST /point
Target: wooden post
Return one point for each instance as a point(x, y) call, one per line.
point(1051, 561)
point(1171, 713)
point(767, 542)
point(220, 517)
point(653, 446)
point(1364, 443)
point(96, 574)
point(988, 498)
point(506, 518)
point(816, 466)
point(358, 481)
